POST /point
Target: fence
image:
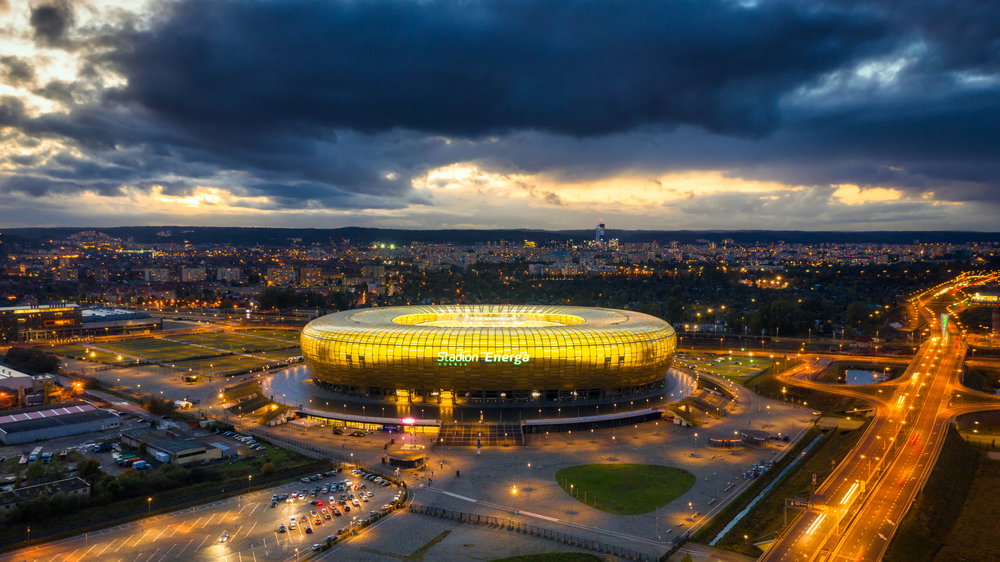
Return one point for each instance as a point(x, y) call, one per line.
point(541, 532)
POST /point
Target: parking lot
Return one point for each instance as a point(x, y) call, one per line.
point(246, 527)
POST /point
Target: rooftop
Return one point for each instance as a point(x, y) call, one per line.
point(26, 493)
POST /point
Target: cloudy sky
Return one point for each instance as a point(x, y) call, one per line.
point(659, 114)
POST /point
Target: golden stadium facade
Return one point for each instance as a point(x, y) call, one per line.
point(489, 353)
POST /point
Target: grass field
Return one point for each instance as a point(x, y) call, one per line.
point(733, 367)
point(228, 365)
point(83, 353)
point(975, 534)
point(946, 499)
point(219, 353)
point(767, 385)
point(235, 342)
point(625, 488)
point(159, 350)
point(291, 336)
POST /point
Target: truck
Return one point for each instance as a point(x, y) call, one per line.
point(46, 457)
point(161, 456)
point(101, 447)
point(125, 460)
point(142, 465)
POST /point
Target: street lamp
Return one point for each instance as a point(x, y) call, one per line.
point(149, 505)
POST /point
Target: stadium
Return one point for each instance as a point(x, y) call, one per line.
point(489, 354)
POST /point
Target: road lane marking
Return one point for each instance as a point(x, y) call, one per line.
point(113, 541)
point(167, 552)
point(185, 546)
point(88, 552)
point(202, 542)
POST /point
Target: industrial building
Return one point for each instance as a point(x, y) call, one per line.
point(47, 322)
point(166, 447)
point(116, 322)
point(50, 421)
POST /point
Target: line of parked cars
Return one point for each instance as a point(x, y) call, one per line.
point(247, 440)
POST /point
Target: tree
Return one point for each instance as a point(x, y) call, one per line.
point(89, 469)
point(31, 360)
point(267, 468)
point(35, 470)
point(160, 406)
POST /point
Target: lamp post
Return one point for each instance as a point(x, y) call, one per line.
point(149, 506)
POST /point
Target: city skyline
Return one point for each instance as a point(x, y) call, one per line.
point(532, 114)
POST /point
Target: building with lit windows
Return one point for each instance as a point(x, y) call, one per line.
point(39, 322)
point(483, 354)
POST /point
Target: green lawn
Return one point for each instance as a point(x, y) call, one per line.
point(736, 368)
point(625, 488)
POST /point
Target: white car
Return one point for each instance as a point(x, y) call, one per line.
point(224, 537)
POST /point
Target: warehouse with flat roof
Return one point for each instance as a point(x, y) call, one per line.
point(54, 420)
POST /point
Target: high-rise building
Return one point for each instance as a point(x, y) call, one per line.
point(311, 276)
point(280, 276)
point(156, 275)
point(193, 274)
point(373, 271)
point(599, 233)
point(228, 274)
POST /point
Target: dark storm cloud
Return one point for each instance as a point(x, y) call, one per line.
point(339, 104)
point(472, 68)
point(51, 20)
point(16, 71)
point(11, 111)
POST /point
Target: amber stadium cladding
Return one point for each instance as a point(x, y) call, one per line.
point(489, 353)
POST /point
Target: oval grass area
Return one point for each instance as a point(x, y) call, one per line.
point(625, 489)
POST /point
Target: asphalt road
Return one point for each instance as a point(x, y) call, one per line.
point(863, 501)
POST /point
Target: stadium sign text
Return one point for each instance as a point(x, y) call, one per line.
point(464, 357)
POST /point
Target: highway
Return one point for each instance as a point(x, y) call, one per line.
point(858, 508)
